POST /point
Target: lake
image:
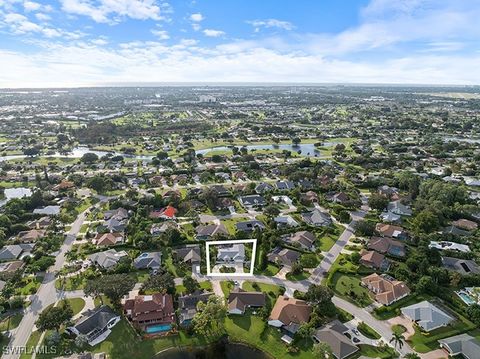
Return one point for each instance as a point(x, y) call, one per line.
point(11, 193)
point(304, 149)
point(78, 152)
point(220, 350)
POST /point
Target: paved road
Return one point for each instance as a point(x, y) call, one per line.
point(332, 255)
point(381, 327)
point(46, 294)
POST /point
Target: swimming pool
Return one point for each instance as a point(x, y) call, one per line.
point(158, 328)
point(466, 298)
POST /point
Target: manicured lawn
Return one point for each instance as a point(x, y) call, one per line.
point(343, 315)
point(140, 276)
point(227, 286)
point(327, 242)
point(11, 322)
point(31, 343)
point(348, 286)
point(71, 283)
point(424, 342)
point(230, 224)
point(171, 267)
point(180, 289)
point(254, 331)
point(376, 352)
point(296, 277)
point(98, 302)
point(270, 271)
point(368, 331)
point(123, 343)
point(29, 285)
point(77, 304)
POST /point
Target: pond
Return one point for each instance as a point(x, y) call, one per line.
point(220, 350)
point(11, 193)
point(78, 152)
point(304, 149)
point(461, 139)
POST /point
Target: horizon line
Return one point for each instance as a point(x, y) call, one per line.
point(147, 84)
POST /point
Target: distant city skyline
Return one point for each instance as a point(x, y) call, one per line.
point(67, 43)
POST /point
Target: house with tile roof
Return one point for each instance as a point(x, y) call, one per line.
point(386, 289)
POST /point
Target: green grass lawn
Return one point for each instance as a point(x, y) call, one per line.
point(227, 286)
point(189, 230)
point(180, 289)
point(230, 224)
point(29, 285)
point(375, 352)
point(176, 270)
point(296, 277)
point(326, 242)
point(103, 301)
point(368, 331)
point(11, 322)
point(123, 343)
point(425, 342)
point(71, 283)
point(343, 315)
point(31, 343)
point(348, 287)
point(77, 304)
point(270, 270)
point(254, 331)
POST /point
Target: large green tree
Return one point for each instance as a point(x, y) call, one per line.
point(53, 318)
point(113, 286)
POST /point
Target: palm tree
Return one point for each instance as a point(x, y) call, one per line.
point(398, 340)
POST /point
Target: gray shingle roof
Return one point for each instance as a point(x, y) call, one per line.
point(427, 315)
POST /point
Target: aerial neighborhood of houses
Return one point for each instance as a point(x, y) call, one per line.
point(299, 223)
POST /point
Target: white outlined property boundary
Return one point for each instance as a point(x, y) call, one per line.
point(239, 241)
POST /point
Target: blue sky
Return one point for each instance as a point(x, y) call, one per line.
point(92, 42)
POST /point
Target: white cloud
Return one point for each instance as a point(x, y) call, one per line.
point(161, 34)
point(100, 41)
point(42, 17)
point(31, 6)
point(60, 65)
point(108, 11)
point(271, 23)
point(213, 33)
point(20, 24)
point(197, 17)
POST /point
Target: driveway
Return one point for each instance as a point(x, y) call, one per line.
point(405, 323)
point(283, 272)
point(354, 333)
point(434, 354)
